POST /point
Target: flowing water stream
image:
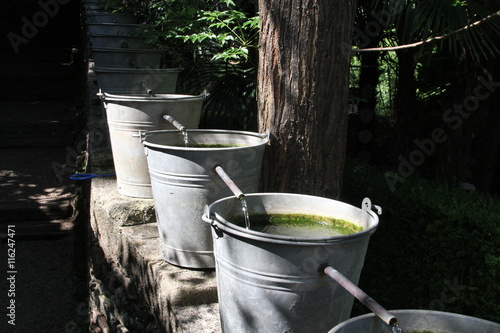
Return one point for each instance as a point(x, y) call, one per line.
point(185, 136)
point(244, 208)
point(396, 329)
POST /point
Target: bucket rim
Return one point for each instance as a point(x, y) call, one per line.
point(419, 312)
point(96, 34)
point(110, 13)
point(147, 98)
point(137, 70)
point(125, 50)
point(229, 227)
point(117, 24)
point(263, 136)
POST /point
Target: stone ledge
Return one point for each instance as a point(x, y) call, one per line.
point(133, 253)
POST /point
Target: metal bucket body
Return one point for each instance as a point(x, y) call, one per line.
point(184, 181)
point(134, 81)
point(117, 41)
point(273, 283)
point(114, 28)
point(130, 116)
point(107, 17)
point(418, 320)
point(126, 58)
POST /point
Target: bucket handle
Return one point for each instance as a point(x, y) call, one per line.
point(366, 205)
point(140, 134)
point(206, 218)
point(265, 135)
point(103, 98)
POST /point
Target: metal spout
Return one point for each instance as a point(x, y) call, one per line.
point(144, 86)
point(232, 186)
point(174, 122)
point(369, 302)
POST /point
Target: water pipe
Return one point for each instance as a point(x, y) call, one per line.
point(144, 86)
point(174, 122)
point(232, 186)
point(369, 302)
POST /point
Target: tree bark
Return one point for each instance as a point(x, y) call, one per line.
point(304, 56)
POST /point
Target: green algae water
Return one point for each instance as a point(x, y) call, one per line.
point(298, 225)
point(212, 145)
point(208, 145)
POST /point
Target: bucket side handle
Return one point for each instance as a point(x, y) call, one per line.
point(367, 206)
point(206, 217)
point(265, 135)
point(140, 134)
point(100, 94)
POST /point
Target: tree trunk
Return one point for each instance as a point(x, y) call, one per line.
point(304, 55)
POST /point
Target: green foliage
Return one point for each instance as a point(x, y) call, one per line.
point(436, 247)
point(216, 44)
point(230, 31)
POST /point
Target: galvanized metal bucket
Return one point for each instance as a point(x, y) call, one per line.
point(274, 283)
point(131, 115)
point(184, 181)
point(107, 17)
point(418, 321)
point(126, 58)
point(117, 41)
point(114, 28)
point(137, 81)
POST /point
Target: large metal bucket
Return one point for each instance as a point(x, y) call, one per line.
point(126, 58)
point(136, 81)
point(114, 28)
point(418, 321)
point(117, 41)
point(129, 116)
point(184, 181)
point(274, 283)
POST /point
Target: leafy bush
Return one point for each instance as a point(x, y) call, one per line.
point(436, 247)
point(215, 42)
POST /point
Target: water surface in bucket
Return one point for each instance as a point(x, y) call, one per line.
point(209, 145)
point(212, 145)
point(298, 225)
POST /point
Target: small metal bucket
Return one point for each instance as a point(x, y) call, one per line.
point(274, 283)
point(114, 28)
point(137, 81)
point(107, 17)
point(418, 321)
point(117, 41)
point(126, 58)
point(184, 181)
point(131, 115)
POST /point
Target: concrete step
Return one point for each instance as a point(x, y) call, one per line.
point(36, 175)
point(37, 124)
point(23, 70)
point(39, 211)
point(38, 91)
